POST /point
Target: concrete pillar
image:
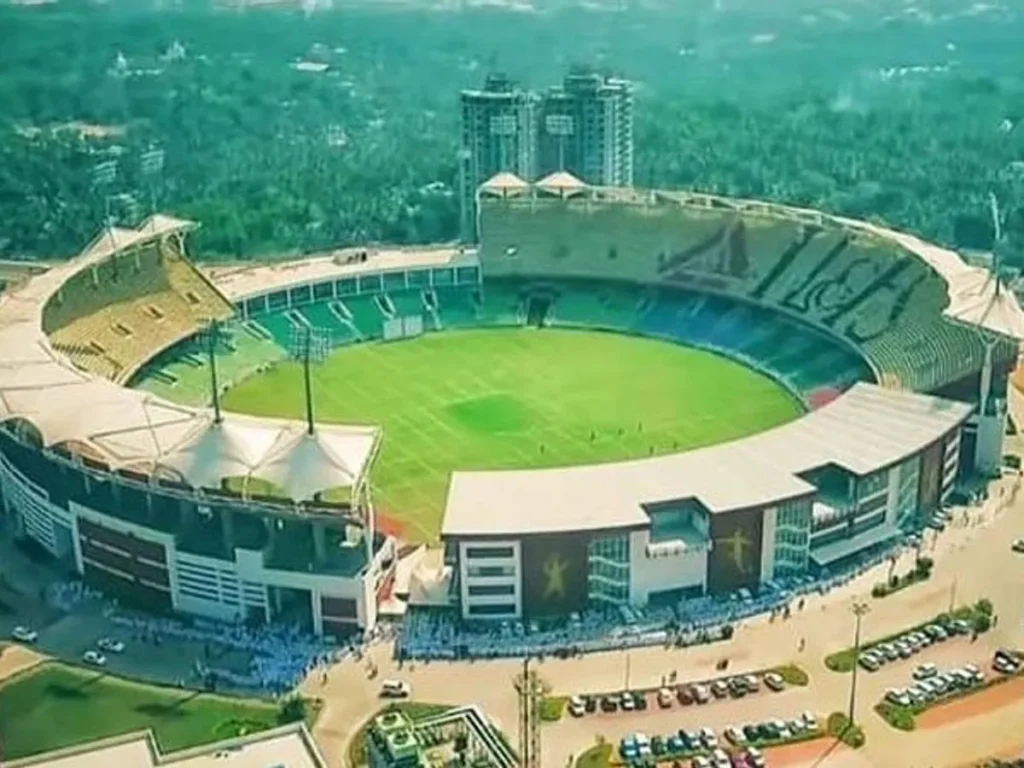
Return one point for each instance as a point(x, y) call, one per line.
point(319, 543)
point(227, 529)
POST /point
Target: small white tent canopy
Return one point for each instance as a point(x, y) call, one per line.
point(304, 464)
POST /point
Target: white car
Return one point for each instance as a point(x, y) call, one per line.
point(25, 635)
point(774, 681)
point(665, 698)
point(627, 702)
point(925, 671)
point(110, 645)
point(810, 721)
point(395, 689)
point(94, 659)
point(1018, 545)
point(735, 735)
point(577, 708)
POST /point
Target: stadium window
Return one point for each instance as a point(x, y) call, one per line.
point(480, 553)
point(491, 589)
point(490, 571)
point(496, 609)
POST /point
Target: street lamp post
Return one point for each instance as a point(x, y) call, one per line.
point(859, 610)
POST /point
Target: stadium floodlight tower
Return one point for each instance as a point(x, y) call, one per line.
point(311, 346)
point(210, 336)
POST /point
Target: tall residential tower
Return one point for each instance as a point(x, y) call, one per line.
point(498, 134)
point(584, 126)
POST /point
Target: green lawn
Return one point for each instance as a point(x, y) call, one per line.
point(515, 398)
point(55, 706)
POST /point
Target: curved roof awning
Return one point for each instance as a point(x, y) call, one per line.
point(561, 184)
point(504, 184)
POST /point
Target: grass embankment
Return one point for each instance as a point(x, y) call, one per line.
point(54, 705)
point(905, 718)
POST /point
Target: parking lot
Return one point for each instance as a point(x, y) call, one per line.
point(712, 706)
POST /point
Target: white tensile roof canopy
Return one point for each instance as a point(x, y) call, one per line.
point(136, 430)
point(304, 464)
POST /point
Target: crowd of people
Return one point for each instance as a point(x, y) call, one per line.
point(437, 634)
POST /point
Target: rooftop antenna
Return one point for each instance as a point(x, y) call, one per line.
point(311, 345)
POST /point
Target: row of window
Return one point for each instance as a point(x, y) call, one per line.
point(364, 284)
point(492, 609)
point(491, 589)
point(489, 553)
point(490, 571)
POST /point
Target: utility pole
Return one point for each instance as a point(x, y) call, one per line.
point(529, 717)
point(859, 610)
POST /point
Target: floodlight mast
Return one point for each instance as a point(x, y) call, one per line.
point(211, 351)
point(306, 354)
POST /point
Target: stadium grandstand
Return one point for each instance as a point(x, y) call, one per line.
point(135, 492)
point(885, 339)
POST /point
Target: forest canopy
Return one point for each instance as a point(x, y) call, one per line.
point(283, 130)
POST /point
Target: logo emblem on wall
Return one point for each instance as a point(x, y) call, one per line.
point(737, 546)
point(554, 573)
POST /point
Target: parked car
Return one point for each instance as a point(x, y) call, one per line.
point(1018, 545)
point(590, 704)
point(700, 762)
point(735, 736)
point(752, 683)
point(94, 659)
point(774, 681)
point(577, 708)
point(810, 721)
point(24, 635)
point(720, 689)
point(708, 738)
point(685, 694)
point(1013, 657)
point(675, 743)
point(755, 757)
point(898, 697)
point(720, 758)
point(110, 645)
point(737, 687)
point(665, 698)
point(658, 748)
point(701, 694)
point(640, 699)
point(609, 704)
point(751, 732)
point(925, 671)
point(868, 661)
point(626, 701)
